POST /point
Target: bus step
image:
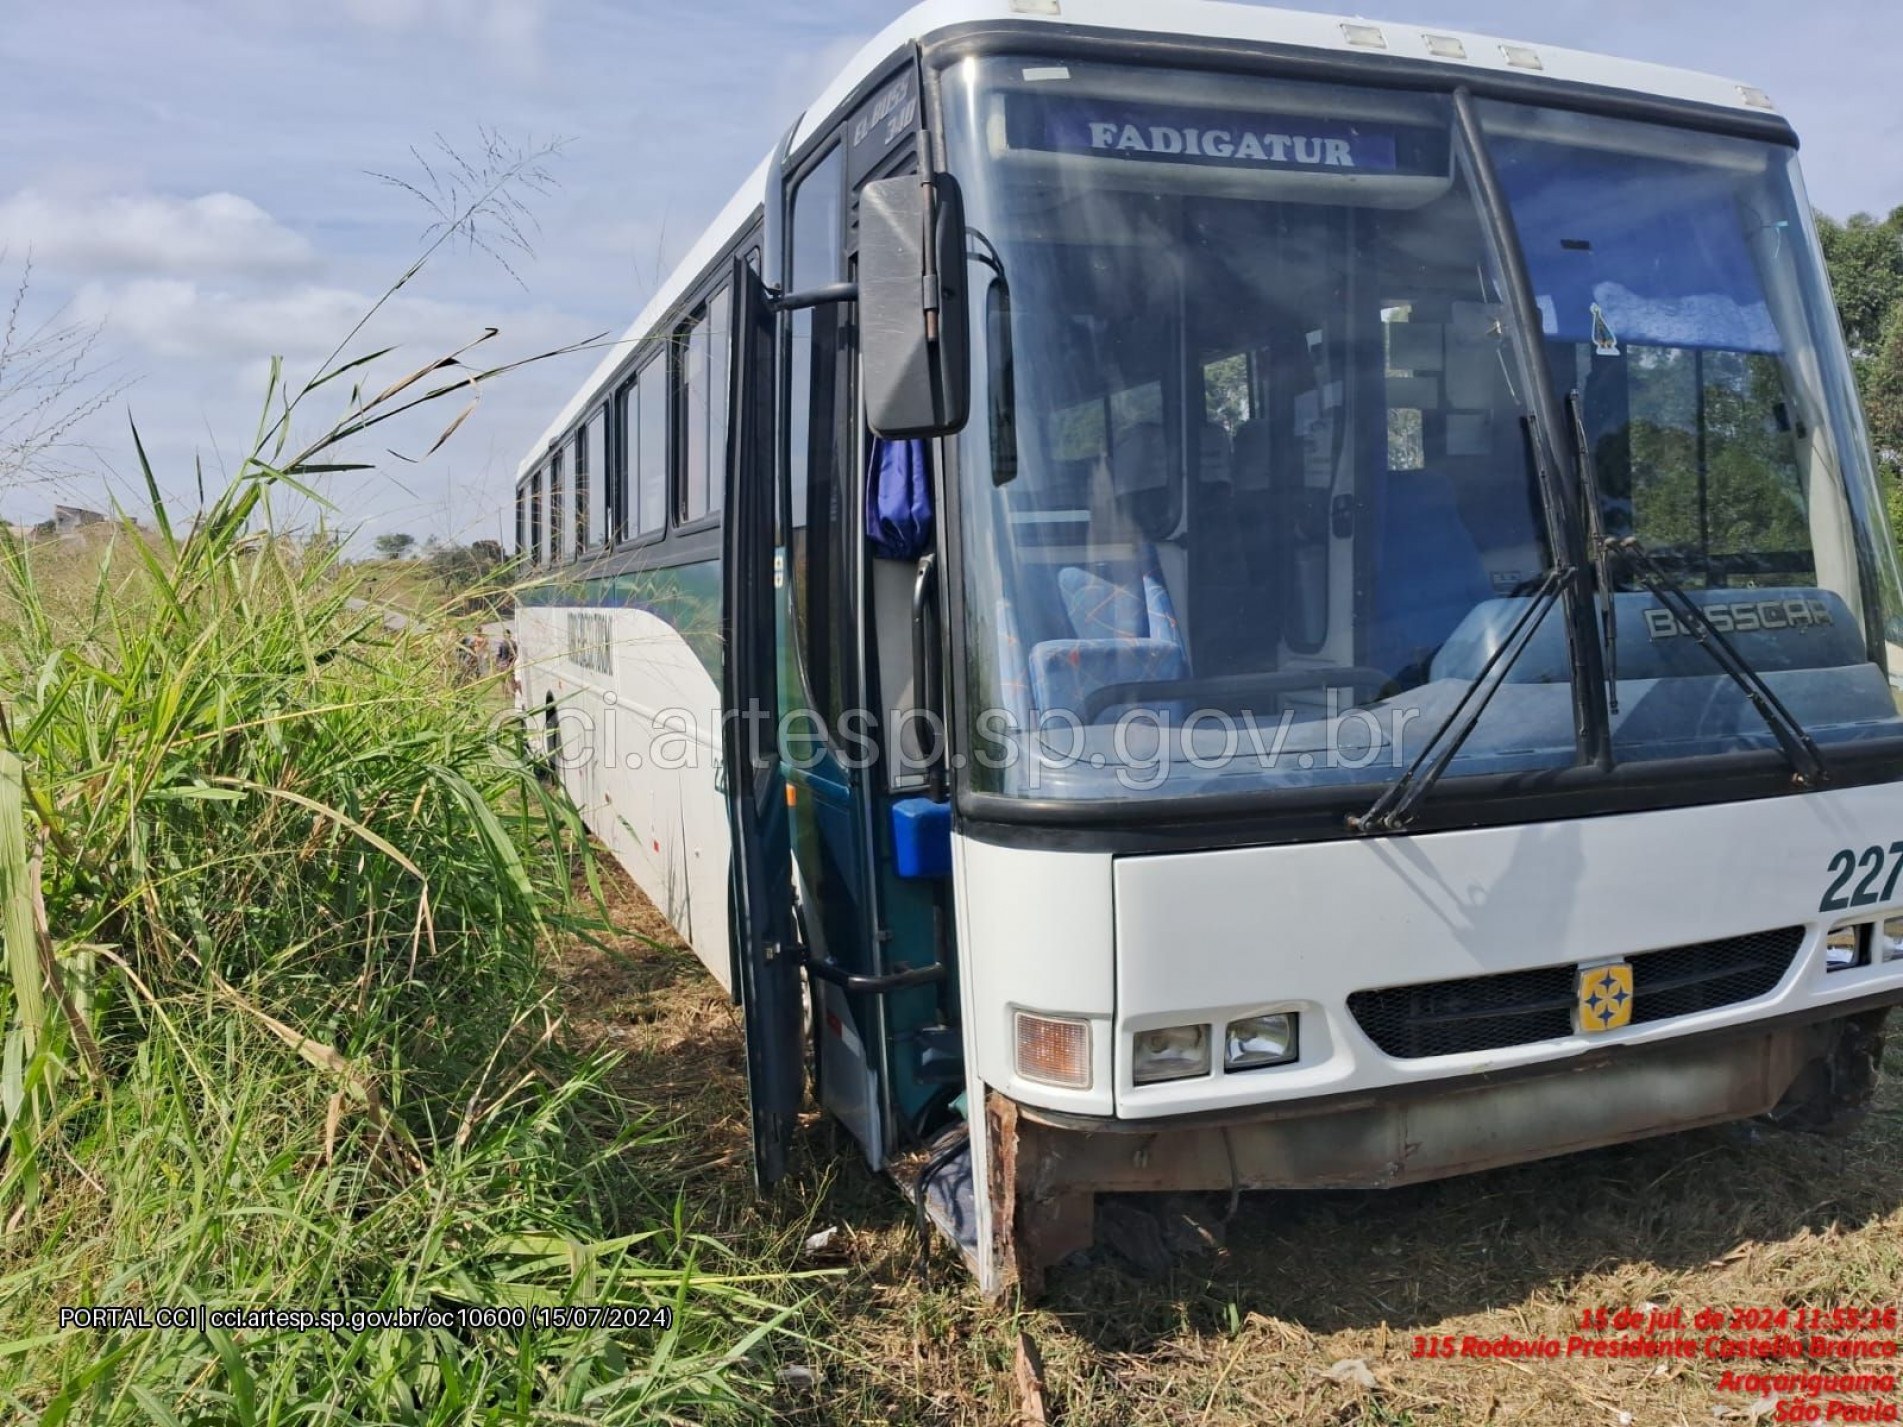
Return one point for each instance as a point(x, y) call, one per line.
point(950, 1206)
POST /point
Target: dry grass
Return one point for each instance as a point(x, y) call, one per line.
point(1246, 1332)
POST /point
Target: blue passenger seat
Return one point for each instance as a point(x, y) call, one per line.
point(1125, 632)
point(1122, 621)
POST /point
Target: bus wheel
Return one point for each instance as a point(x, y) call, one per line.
point(1832, 1093)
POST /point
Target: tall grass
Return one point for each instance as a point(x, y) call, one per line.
point(273, 1031)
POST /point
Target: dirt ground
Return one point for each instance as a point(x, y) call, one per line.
point(1302, 1308)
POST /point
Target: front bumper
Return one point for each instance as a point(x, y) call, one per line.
point(1203, 938)
point(1048, 1167)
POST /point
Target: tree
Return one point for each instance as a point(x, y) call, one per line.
point(459, 568)
point(1865, 258)
point(1881, 386)
point(472, 573)
point(396, 545)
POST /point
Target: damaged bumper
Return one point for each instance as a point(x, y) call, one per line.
point(1046, 1168)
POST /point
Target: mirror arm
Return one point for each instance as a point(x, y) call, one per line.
point(929, 286)
point(814, 297)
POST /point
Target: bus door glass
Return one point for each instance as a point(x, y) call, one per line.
point(825, 738)
point(907, 822)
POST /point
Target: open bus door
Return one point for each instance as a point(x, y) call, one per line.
point(766, 960)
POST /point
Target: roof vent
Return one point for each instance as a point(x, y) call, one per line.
point(1445, 47)
point(1522, 56)
point(1755, 97)
point(1368, 37)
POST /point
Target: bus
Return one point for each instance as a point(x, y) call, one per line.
point(1191, 597)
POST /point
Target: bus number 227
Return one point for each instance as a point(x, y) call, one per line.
point(1846, 863)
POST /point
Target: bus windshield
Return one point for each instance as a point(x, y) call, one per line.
point(1249, 497)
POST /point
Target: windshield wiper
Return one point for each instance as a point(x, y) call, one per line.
point(1395, 807)
point(1798, 745)
point(1601, 547)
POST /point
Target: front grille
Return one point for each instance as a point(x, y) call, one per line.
point(1521, 1007)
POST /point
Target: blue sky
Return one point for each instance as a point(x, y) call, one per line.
point(197, 176)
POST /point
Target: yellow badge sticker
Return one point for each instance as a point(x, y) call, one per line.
point(1605, 997)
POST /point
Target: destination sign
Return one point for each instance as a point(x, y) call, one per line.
point(1174, 134)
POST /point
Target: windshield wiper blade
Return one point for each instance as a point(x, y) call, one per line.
point(1806, 758)
point(1601, 547)
point(1395, 807)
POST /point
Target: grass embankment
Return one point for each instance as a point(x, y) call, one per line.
point(275, 1024)
point(1301, 1309)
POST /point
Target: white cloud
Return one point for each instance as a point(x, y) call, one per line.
point(151, 233)
point(180, 319)
point(509, 31)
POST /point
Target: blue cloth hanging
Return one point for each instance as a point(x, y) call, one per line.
point(898, 500)
point(1629, 248)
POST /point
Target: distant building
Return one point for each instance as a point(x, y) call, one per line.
point(67, 518)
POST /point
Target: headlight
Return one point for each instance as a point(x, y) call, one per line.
point(1849, 946)
point(1259, 1041)
point(1176, 1053)
point(1054, 1050)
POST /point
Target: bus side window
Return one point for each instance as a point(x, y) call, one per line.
point(591, 457)
point(578, 457)
point(819, 446)
point(700, 388)
point(719, 341)
point(535, 517)
point(641, 454)
point(650, 481)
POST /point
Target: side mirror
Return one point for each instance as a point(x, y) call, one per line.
point(914, 334)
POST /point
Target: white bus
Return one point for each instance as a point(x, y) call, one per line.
point(1183, 596)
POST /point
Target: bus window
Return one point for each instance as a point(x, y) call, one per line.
point(695, 382)
point(627, 459)
point(1255, 541)
point(818, 446)
point(700, 355)
point(535, 517)
point(522, 545)
point(619, 438)
point(719, 341)
point(641, 454)
point(1409, 392)
point(591, 456)
point(561, 534)
point(1675, 310)
point(650, 480)
point(1714, 468)
point(578, 456)
point(1228, 400)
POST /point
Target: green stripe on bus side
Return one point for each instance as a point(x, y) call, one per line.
point(684, 597)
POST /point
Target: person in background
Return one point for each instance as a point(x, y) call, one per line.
point(505, 652)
